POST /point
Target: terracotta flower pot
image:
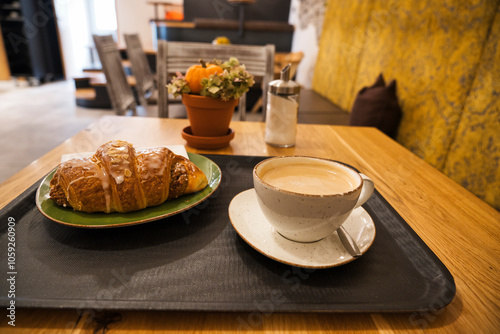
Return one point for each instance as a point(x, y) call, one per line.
point(209, 117)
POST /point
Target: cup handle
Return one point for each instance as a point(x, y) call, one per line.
point(366, 191)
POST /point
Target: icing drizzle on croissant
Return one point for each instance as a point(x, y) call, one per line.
point(118, 178)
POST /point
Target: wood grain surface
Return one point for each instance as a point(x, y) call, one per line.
point(461, 230)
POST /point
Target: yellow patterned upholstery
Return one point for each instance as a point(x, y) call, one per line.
point(340, 50)
point(474, 156)
point(441, 54)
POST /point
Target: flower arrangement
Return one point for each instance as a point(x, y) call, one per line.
point(225, 80)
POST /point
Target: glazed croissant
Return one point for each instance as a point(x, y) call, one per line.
point(118, 178)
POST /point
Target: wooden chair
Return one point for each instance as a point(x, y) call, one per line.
point(179, 56)
point(145, 79)
point(120, 93)
point(281, 59)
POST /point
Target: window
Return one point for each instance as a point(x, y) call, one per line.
point(102, 17)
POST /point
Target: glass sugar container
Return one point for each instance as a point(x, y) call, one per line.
point(282, 109)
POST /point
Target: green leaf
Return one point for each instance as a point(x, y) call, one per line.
point(213, 89)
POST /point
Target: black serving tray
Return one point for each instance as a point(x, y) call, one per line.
point(196, 261)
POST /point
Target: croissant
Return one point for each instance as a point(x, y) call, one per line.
point(118, 178)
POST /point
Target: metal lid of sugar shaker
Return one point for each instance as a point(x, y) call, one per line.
point(284, 86)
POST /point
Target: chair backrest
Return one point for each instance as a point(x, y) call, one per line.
point(283, 59)
point(120, 93)
point(179, 56)
point(145, 80)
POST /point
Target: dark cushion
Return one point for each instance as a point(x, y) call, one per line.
point(377, 106)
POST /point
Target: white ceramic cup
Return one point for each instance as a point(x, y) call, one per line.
point(299, 195)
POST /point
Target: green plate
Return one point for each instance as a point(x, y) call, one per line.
point(68, 216)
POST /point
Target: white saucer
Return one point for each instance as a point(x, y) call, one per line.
point(250, 223)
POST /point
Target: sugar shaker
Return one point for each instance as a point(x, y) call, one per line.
point(282, 109)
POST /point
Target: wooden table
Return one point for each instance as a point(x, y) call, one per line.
point(461, 230)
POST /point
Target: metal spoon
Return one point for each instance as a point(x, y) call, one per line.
point(348, 242)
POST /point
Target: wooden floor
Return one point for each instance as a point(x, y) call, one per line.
point(34, 120)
